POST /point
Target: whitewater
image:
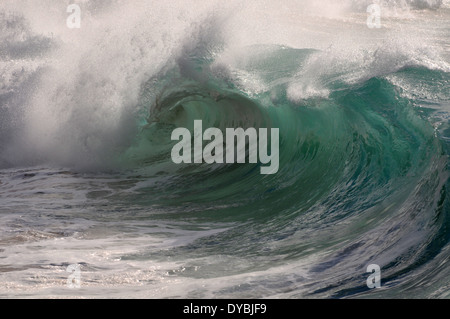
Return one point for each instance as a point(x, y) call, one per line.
point(93, 206)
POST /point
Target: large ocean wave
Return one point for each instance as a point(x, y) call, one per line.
point(362, 113)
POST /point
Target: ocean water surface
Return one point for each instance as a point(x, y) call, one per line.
point(87, 182)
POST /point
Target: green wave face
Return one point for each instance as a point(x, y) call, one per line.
point(363, 160)
point(360, 140)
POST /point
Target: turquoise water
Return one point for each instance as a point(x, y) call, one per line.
point(87, 176)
